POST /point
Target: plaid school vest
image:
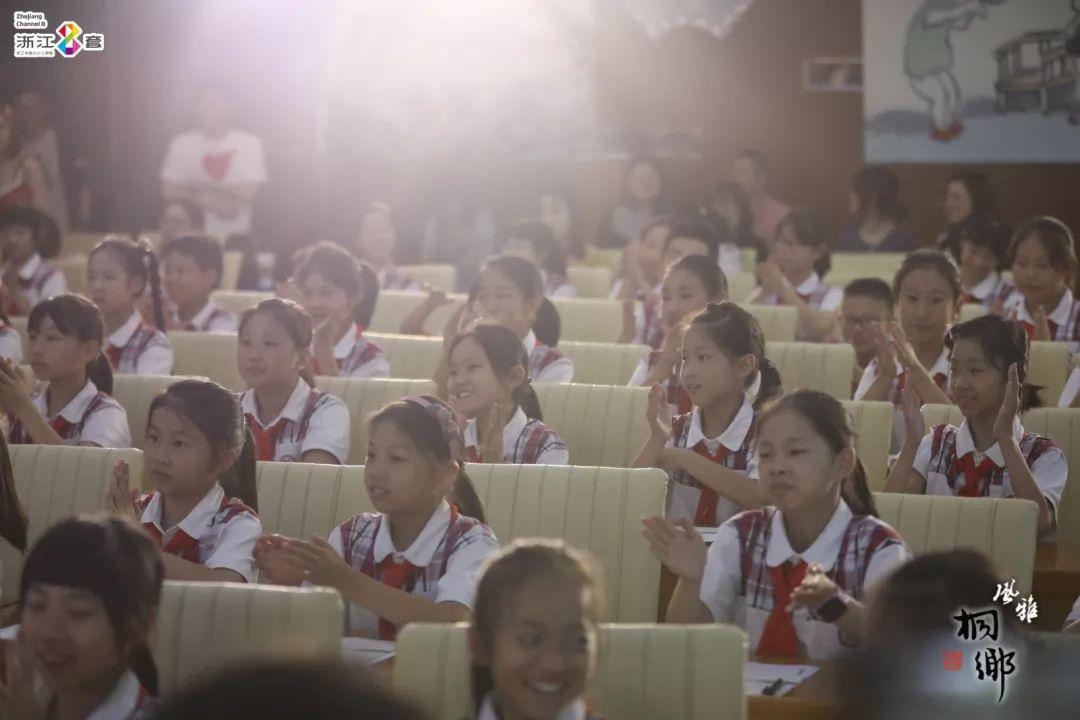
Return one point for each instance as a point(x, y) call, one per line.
point(541, 357)
point(1001, 292)
point(218, 313)
point(230, 508)
point(296, 432)
point(124, 359)
point(740, 460)
point(943, 459)
point(1068, 331)
point(363, 352)
point(532, 442)
point(900, 381)
point(69, 432)
point(865, 535)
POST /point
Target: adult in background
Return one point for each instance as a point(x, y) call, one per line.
point(876, 214)
point(968, 196)
point(752, 170)
point(216, 166)
point(37, 137)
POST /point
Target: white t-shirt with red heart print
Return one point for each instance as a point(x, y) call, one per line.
point(235, 157)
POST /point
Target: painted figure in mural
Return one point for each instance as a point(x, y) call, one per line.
point(1072, 46)
point(929, 60)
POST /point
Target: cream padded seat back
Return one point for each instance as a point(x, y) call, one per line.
point(590, 282)
point(603, 363)
point(740, 286)
point(410, 356)
point(777, 321)
point(883, 265)
point(210, 355)
point(872, 421)
point(74, 268)
point(601, 424)
point(238, 300)
point(1062, 425)
point(594, 509)
point(395, 305)
point(443, 277)
point(589, 319)
point(55, 482)
point(643, 671)
point(1048, 368)
point(364, 396)
point(19, 323)
point(81, 242)
point(1002, 529)
point(970, 311)
point(815, 366)
point(205, 627)
point(303, 499)
point(135, 393)
point(231, 261)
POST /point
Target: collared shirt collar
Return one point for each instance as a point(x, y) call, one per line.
point(123, 334)
point(122, 701)
point(292, 411)
point(821, 552)
point(965, 443)
point(574, 711)
point(941, 365)
point(984, 287)
point(30, 268)
point(346, 343)
point(202, 317)
point(197, 522)
point(75, 409)
point(809, 285)
point(733, 436)
point(423, 547)
point(529, 342)
point(1059, 316)
point(511, 432)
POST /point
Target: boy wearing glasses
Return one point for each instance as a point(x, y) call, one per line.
point(867, 301)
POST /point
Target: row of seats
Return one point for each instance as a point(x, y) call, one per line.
point(594, 509)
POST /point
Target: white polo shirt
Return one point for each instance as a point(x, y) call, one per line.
point(211, 319)
point(126, 699)
point(221, 544)
point(576, 710)
point(55, 284)
point(107, 425)
point(11, 344)
point(458, 582)
point(941, 367)
point(327, 428)
point(1065, 315)
point(557, 371)
point(832, 299)
point(155, 359)
point(549, 450)
point(377, 367)
point(720, 584)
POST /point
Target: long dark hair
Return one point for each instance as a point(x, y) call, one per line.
point(205, 251)
point(547, 325)
point(75, 315)
point(216, 412)
point(743, 232)
point(293, 318)
point(1056, 237)
point(926, 259)
point(710, 275)
point(736, 333)
point(878, 188)
point(424, 431)
point(43, 228)
point(504, 352)
point(1003, 343)
point(140, 262)
point(340, 268)
point(830, 420)
point(118, 563)
point(810, 230)
point(13, 521)
point(983, 205)
point(549, 254)
point(507, 573)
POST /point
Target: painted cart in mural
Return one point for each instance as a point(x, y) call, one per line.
point(1035, 73)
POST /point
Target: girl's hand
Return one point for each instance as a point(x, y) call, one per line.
point(671, 350)
point(14, 394)
point(772, 278)
point(491, 447)
point(1042, 326)
point(319, 561)
point(1010, 406)
point(904, 352)
point(910, 406)
point(678, 546)
point(813, 591)
point(886, 353)
point(17, 696)
point(455, 323)
point(275, 562)
point(658, 412)
point(121, 498)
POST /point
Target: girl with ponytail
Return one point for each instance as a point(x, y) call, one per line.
point(795, 574)
point(73, 406)
point(710, 452)
point(90, 591)
point(200, 460)
point(120, 273)
point(489, 386)
point(417, 557)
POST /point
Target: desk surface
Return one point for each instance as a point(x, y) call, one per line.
point(1056, 583)
point(815, 699)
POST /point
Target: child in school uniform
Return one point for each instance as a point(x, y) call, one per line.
point(990, 454)
point(73, 405)
point(193, 266)
point(983, 246)
point(792, 276)
point(202, 513)
point(868, 304)
point(690, 284)
point(340, 295)
point(375, 244)
point(552, 594)
point(416, 558)
point(1043, 257)
point(119, 274)
point(10, 341)
point(1072, 622)
point(639, 285)
point(290, 420)
point(488, 385)
point(532, 240)
point(793, 574)
point(28, 238)
point(710, 452)
point(927, 293)
point(90, 592)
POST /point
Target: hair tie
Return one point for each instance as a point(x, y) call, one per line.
point(447, 421)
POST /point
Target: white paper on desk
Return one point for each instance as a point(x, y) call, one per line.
point(11, 632)
point(758, 676)
point(364, 651)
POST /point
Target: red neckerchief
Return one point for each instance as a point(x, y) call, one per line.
point(705, 515)
point(974, 475)
point(779, 639)
point(266, 439)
